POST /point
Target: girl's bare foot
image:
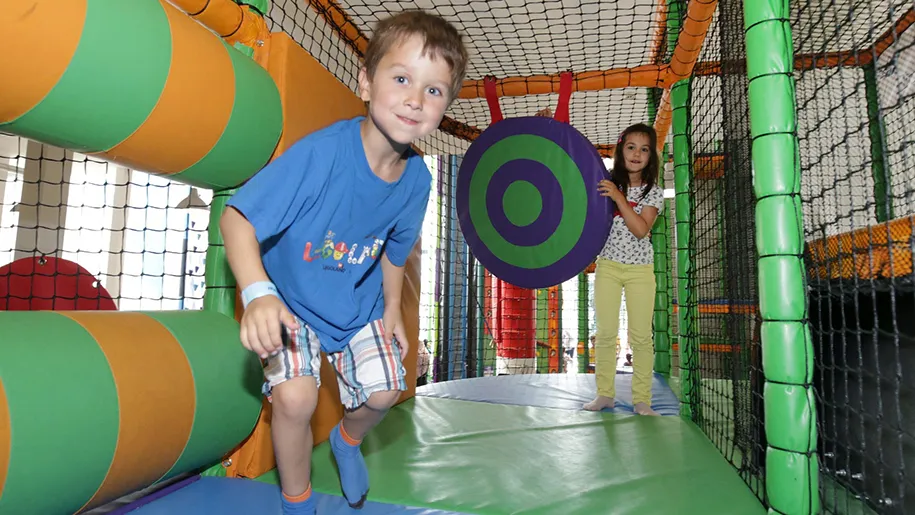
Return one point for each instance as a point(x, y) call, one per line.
point(644, 409)
point(600, 403)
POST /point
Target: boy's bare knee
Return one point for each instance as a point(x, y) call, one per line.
point(381, 401)
point(296, 399)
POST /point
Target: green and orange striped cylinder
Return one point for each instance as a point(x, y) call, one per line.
point(95, 405)
point(138, 83)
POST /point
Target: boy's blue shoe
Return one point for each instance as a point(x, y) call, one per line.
point(296, 507)
point(354, 476)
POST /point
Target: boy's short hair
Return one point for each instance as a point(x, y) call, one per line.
point(441, 39)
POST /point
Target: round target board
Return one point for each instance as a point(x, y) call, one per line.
point(528, 204)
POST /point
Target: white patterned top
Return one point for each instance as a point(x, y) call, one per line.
point(622, 246)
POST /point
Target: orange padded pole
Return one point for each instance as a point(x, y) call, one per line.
point(235, 23)
point(659, 75)
point(224, 17)
point(663, 118)
point(657, 40)
point(645, 76)
point(698, 18)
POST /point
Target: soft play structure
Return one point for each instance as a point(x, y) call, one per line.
point(784, 318)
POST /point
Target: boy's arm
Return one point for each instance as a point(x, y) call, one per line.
point(242, 248)
point(394, 261)
point(407, 229)
point(392, 283)
point(392, 320)
point(260, 330)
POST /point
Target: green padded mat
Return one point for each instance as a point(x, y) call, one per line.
point(481, 458)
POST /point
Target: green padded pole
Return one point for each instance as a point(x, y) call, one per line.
point(227, 382)
point(788, 396)
point(261, 7)
point(671, 256)
point(255, 123)
point(883, 199)
point(662, 300)
point(689, 346)
point(583, 321)
point(74, 380)
point(97, 424)
point(660, 232)
point(127, 43)
point(114, 82)
point(661, 327)
point(220, 283)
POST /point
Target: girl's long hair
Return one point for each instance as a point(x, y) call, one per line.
point(620, 175)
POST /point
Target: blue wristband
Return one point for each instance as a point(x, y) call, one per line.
point(257, 290)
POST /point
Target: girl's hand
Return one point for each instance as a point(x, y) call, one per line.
point(546, 112)
point(609, 189)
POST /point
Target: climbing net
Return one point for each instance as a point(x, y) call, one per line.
point(612, 48)
point(70, 222)
point(854, 65)
point(856, 100)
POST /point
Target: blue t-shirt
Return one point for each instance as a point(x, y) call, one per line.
point(323, 219)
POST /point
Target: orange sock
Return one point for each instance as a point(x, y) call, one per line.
point(301, 497)
point(347, 438)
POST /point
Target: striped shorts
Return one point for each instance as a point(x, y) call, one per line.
point(366, 365)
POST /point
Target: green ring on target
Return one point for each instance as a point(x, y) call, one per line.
point(574, 200)
point(522, 203)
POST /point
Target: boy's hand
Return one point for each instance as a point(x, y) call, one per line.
point(393, 327)
point(262, 325)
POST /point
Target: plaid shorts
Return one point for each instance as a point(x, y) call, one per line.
point(366, 365)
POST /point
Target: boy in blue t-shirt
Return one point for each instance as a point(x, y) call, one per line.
point(318, 241)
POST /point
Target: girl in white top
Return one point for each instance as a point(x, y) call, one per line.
point(627, 263)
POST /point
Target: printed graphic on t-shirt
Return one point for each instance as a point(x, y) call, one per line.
point(334, 253)
point(622, 246)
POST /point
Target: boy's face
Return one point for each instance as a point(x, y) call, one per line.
point(409, 92)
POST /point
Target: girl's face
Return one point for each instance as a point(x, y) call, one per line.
point(636, 151)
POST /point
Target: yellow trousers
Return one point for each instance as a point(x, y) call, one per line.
point(611, 278)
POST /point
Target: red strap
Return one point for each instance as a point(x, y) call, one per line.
point(492, 98)
point(565, 94)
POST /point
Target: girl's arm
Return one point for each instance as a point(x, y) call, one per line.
point(638, 225)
